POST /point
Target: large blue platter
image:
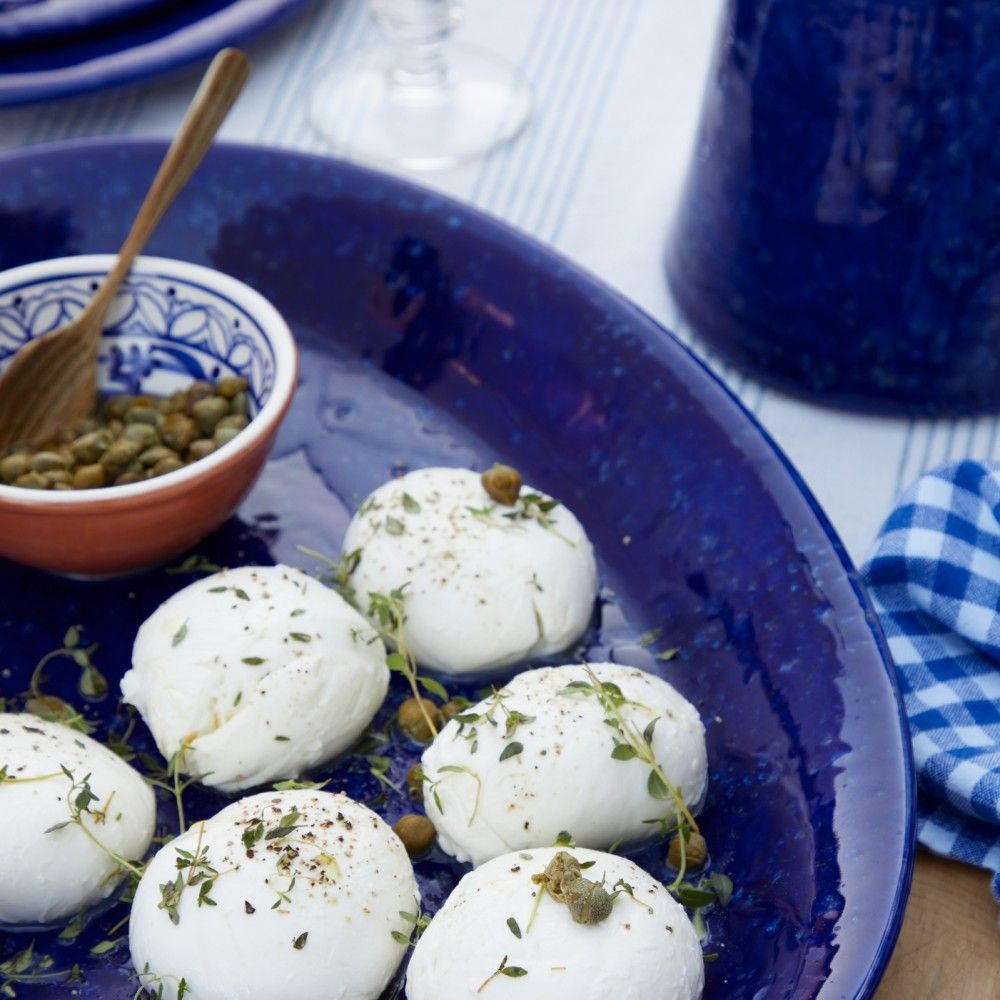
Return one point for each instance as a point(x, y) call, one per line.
point(433, 335)
point(162, 39)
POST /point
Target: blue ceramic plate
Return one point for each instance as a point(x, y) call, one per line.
point(163, 40)
point(25, 20)
point(432, 335)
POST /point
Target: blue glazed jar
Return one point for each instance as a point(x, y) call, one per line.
point(840, 230)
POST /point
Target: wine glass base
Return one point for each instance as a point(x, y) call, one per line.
point(359, 109)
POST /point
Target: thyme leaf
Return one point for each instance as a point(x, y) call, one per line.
point(511, 750)
point(503, 969)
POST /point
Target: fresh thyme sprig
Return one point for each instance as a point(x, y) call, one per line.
point(197, 562)
point(714, 889)
point(92, 684)
point(339, 571)
point(469, 721)
point(455, 769)
point(26, 967)
point(389, 612)
point(193, 869)
point(170, 779)
point(527, 507)
point(370, 749)
point(629, 743)
point(54, 709)
point(419, 922)
point(81, 798)
point(503, 969)
point(531, 507)
point(295, 784)
point(7, 779)
point(146, 988)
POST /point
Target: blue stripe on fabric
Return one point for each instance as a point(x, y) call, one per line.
point(563, 114)
point(541, 65)
point(555, 210)
point(520, 169)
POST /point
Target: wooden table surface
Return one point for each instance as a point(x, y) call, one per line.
point(949, 947)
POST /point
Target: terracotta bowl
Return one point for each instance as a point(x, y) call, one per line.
point(172, 322)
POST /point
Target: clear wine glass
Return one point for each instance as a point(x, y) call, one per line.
point(420, 101)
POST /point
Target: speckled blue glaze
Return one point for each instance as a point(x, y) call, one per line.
point(134, 49)
point(840, 230)
point(432, 335)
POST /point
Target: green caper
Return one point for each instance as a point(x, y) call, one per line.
point(88, 447)
point(13, 466)
point(90, 477)
point(157, 453)
point(560, 872)
point(144, 414)
point(240, 404)
point(142, 434)
point(55, 477)
point(177, 402)
point(178, 431)
point(235, 420)
point(413, 719)
point(120, 453)
point(32, 481)
point(452, 708)
point(208, 412)
point(503, 484)
point(693, 850)
point(415, 782)
point(589, 902)
point(223, 435)
point(230, 387)
point(416, 832)
point(198, 389)
point(46, 461)
point(68, 434)
point(171, 463)
point(117, 406)
point(200, 448)
point(128, 439)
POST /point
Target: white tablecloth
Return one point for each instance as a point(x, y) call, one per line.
point(597, 175)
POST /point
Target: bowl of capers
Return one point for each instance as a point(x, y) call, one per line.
point(196, 371)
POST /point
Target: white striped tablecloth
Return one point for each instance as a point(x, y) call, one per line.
point(597, 175)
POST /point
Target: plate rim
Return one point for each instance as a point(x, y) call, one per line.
point(33, 22)
point(126, 63)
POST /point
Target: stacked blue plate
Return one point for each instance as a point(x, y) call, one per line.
point(59, 48)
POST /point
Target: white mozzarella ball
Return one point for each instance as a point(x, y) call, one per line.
point(259, 672)
point(485, 799)
point(645, 949)
point(304, 893)
point(485, 584)
point(49, 868)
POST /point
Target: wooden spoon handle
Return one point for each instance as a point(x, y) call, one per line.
point(219, 89)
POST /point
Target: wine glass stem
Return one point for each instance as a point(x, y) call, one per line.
point(417, 31)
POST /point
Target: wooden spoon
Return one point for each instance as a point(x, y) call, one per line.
point(52, 381)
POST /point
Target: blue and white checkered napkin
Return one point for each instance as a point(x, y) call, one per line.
point(934, 577)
